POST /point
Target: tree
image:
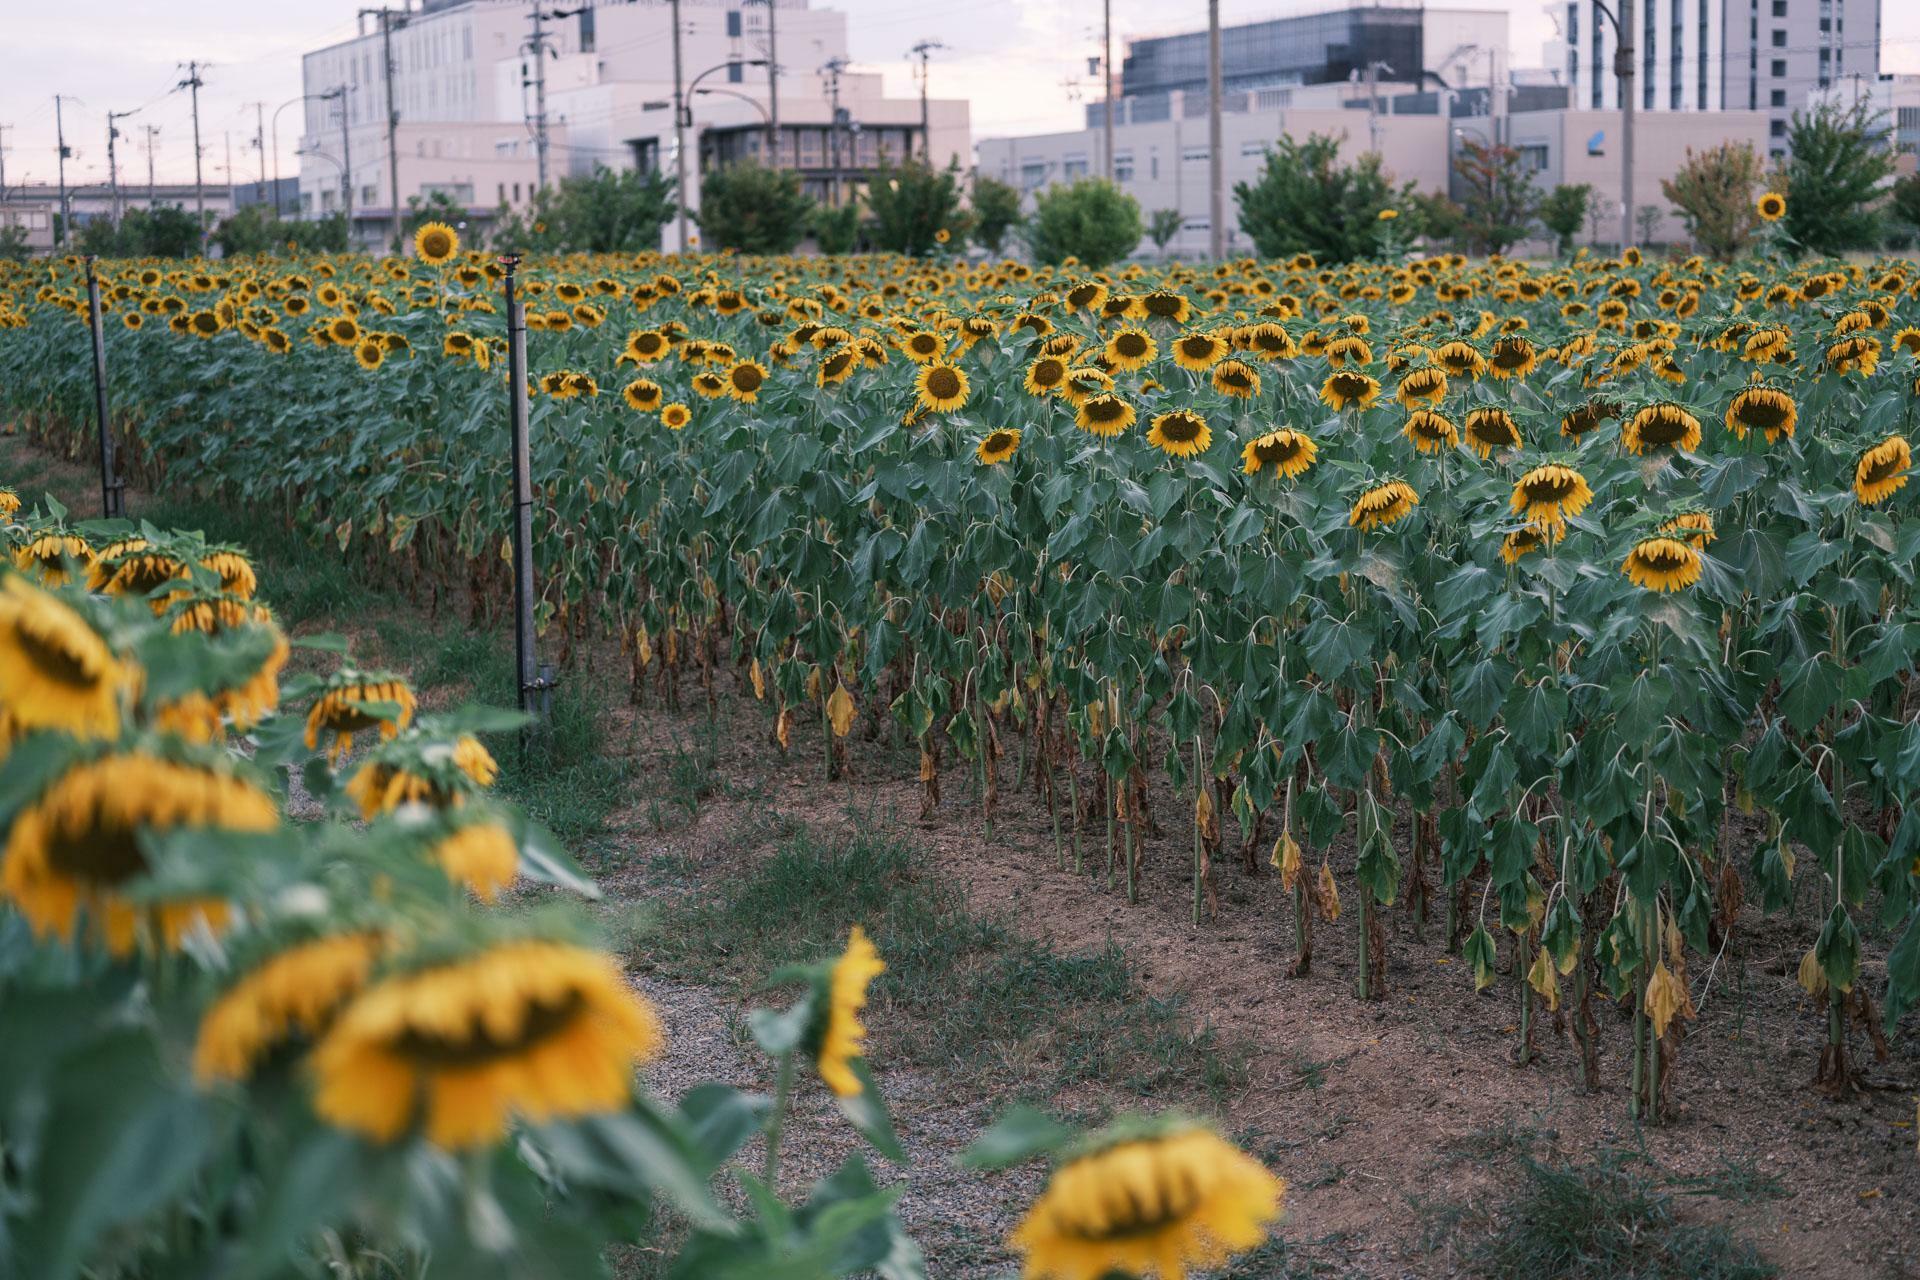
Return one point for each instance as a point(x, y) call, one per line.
point(1713, 191)
point(1563, 211)
point(165, 232)
point(996, 211)
point(1837, 160)
point(1434, 217)
point(13, 243)
point(607, 211)
point(322, 235)
point(837, 230)
point(1090, 219)
point(1162, 227)
point(1501, 200)
point(248, 231)
point(1306, 201)
point(437, 207)
point(1904, 201)
point(912, 204)
point(753, 209)
point(1647, 218)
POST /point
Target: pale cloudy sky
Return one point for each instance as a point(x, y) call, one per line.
point(1012, 58)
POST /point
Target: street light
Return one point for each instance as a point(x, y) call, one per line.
point(693, 86)
point(304, 97)
point(1623, 72)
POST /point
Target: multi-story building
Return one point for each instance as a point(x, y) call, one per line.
point(1720, 55)
point(468, 81)
point(33, 205)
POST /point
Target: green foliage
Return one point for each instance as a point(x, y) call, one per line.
point(1434, 217)
point(996, 211)
point(1091, 220)
point(1563, 211)
point(1903, 201)
point(1714, 192)
point(750, 208)
point(13, 243)
point(250, 230)
point(911, 204)
point(607, 211)
point(1306, 201)
point(437, 207)
point(165, 232)
point(837, 230)
point(1837, 160)
point(1500, 200)
point(1162, 227)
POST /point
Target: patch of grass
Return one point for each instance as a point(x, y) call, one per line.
point(1612, 1215)
point(1013, 1012)
point(304, 580)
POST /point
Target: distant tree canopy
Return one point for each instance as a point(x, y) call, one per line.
point(1306, 201)
point(1499, 200)
point(912, 204)
point(996, 211)
point(752, 209)
point(607, 211)
point(1837, 159)
point(165, 232)
point(1714, 192)
point(1091, 220)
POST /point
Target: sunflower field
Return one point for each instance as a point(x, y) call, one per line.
point(1571, 603)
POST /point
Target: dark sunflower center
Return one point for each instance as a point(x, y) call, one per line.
point(1879, 469)
point(1179, 1197)
point(1235, 377)
point(1048, 372)
point(478, 1044)
point(1662, 429)
point(747, 378)
point(1349, 384)
point(837, 363)
point(1511, 357)
point(1181, 428)
point(1762, 414)
point(943, 384)
point(1130, 345)
point(1105, 409)
point(1163, 304)
point(54, 661)
point(999, 442)
point(96, 855)
point(1548, 489)
point(1492, 430)
point(1197, 348)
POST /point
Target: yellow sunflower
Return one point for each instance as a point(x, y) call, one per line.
point(1460, 360)
point(642, 395)
point(1180, 433)
point(923, 347)
point(292, 993)
point(1236, 380)
point(941, 387)
point(436, 243)
point(1045, 376)
point(480, 854)
point(745, 379)
point(1148, 1204)
point(1882, 470)
point(1289, 453)
point(1548, 496)
point(46, 559)
point(1762, 409)
point(1662, 564)
point(1581, 420)
point(1382, 505)
point(1104, 415)
point(675, 416)
point(998, 446)
point(1771, 207)
point(55, 670)
point(1426, 386)
point(1696, 527)
point(346, 708)
point(531, 1028)
point(1521, 543)
point(1130, 349)
point(842, 1037)
point(369, 353)
point(1664, 425)
point(1488, 429)
point(1346, 387)
point(9, 504)
point(1430, 431)
point(74, 846)
point(1198, 351)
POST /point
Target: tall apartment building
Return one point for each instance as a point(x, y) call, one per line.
point(1721, 55)
point(464, 75)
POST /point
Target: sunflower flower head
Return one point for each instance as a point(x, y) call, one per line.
point(1180, 433)
point(1882, 470)
point(1662, 564)
point(841, 1037)
point(1287, 453)
point(1382, 505)
point(1548, 496)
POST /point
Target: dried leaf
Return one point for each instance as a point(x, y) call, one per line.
point(1329, 894)
point(1667, 999)
point(1286, 860)
point(759, 681)
point(1545, 981)
point(840, 710)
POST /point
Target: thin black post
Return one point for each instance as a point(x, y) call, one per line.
point(533, 684)
point(112, 490)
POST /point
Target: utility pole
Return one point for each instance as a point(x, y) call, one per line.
point(192, 83)
point(680, 114)
point(346, 161)
point(60, 138)
point(260, 141)
point(773, 86)
point(1106, 78)
point(113, 164)
point(1623, 71)
point(3, 162)
point(924, 50)
point(833, 70)
point(393, 123)
point(152, 129)
point(1216, 203)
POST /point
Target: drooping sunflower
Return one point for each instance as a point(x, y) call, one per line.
point(479, 854)
point(1762, 409)
point(1180, 433)
point(237, 577)
point(1271, 342)
point(1426, 386)
point(709, 385)
point(1348, 387)
point(997, 446)
point(1165, 304)
point(1490, 428)
point(675, 416)
point(354, 702)
point(1582, 420)
point(1661, 426)
point(531, 1028)
point(1771, 207)
point(1548, 496)
point(941, 386)
point(47, 556)
point(1131, 348)
point(1521, 543)
point(292, 993)
point(744, 380)
point(1662, 564)
point(1197, 351)
point(838, 365)
point(1696, 527)
point(1430, 431)
point(74, 846)
point(1460, 360)
point(56, 672)
point(1512, 357)
point(1157, 1200)
point(841, 1035)
point(436, 772)
point(1289, 453)
point(9, 503)
point(1382, 505)
point(1104, 415)
point(642, 395)
point(1854, 355)
point(1236, 379)
point(1882, 470)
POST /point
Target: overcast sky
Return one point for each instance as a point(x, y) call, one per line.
point(1013, 58)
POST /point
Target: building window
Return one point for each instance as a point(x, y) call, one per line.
point(1153, 164)
point(735, 71)
point(1194, 154)
point(1073, 167)
point(1123, 166)
point(1779, 68)
point(1032, 174)
point(1533, 157)
point(1197, 224)
point(1779, 129)
point(1778, 98)
point(1779, 38)
point(1252, 150)
point(733, 23)
point(1779, 8)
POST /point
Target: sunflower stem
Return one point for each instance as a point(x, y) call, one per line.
point(782, 1095)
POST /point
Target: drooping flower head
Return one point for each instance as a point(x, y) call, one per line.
point(1662, 564)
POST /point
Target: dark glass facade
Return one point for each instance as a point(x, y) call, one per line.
point(1315, 48)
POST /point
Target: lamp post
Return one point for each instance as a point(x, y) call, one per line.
point(1623, 72)
point(304, 97)
point(683, 117)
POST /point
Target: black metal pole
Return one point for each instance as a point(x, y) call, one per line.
point(112, 491)
point(531, 686)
